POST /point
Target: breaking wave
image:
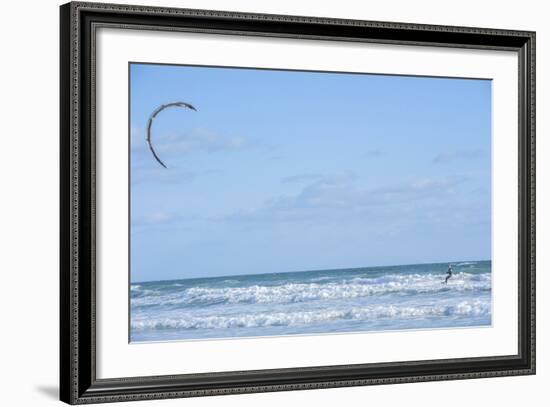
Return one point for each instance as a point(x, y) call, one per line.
point(295, 292)
point(473, 308)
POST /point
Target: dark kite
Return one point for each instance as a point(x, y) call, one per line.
point(150, 123)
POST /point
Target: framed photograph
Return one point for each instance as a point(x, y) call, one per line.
point(254, 203)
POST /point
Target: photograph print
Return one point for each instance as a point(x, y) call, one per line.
point(276, 202)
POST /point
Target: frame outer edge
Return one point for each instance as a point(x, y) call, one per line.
point(75, 118)
point(70, 156)
point(240, 15)
point(533, 195)
point(64, 198)
point(70, 136)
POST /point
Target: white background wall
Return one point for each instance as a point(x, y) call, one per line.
point(29, 202)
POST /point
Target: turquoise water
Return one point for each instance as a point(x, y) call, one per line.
point(308, 302)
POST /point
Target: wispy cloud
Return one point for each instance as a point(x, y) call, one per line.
point(459, 155)
point(203, 141)
point(144, 172)
point(153, 173)
point(170, 147)
point(340, 196)
point(155, 218)
point(195, 140)
point(165, 219)
point(137, 136)
point(374, 154)
point(300, 178)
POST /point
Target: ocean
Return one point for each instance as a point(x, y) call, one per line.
point(312, 302)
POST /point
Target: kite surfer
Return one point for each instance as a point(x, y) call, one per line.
point(449, 274)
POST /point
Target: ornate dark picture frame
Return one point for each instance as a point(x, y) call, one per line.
point(78, 381)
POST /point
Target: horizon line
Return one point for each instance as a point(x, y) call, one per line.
point(304, 271)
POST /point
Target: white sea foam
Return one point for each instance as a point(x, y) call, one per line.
point(293, 292)
point(325, 278)
point(186, 320)
point(137, 291)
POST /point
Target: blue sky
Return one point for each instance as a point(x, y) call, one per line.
point(283, 171)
